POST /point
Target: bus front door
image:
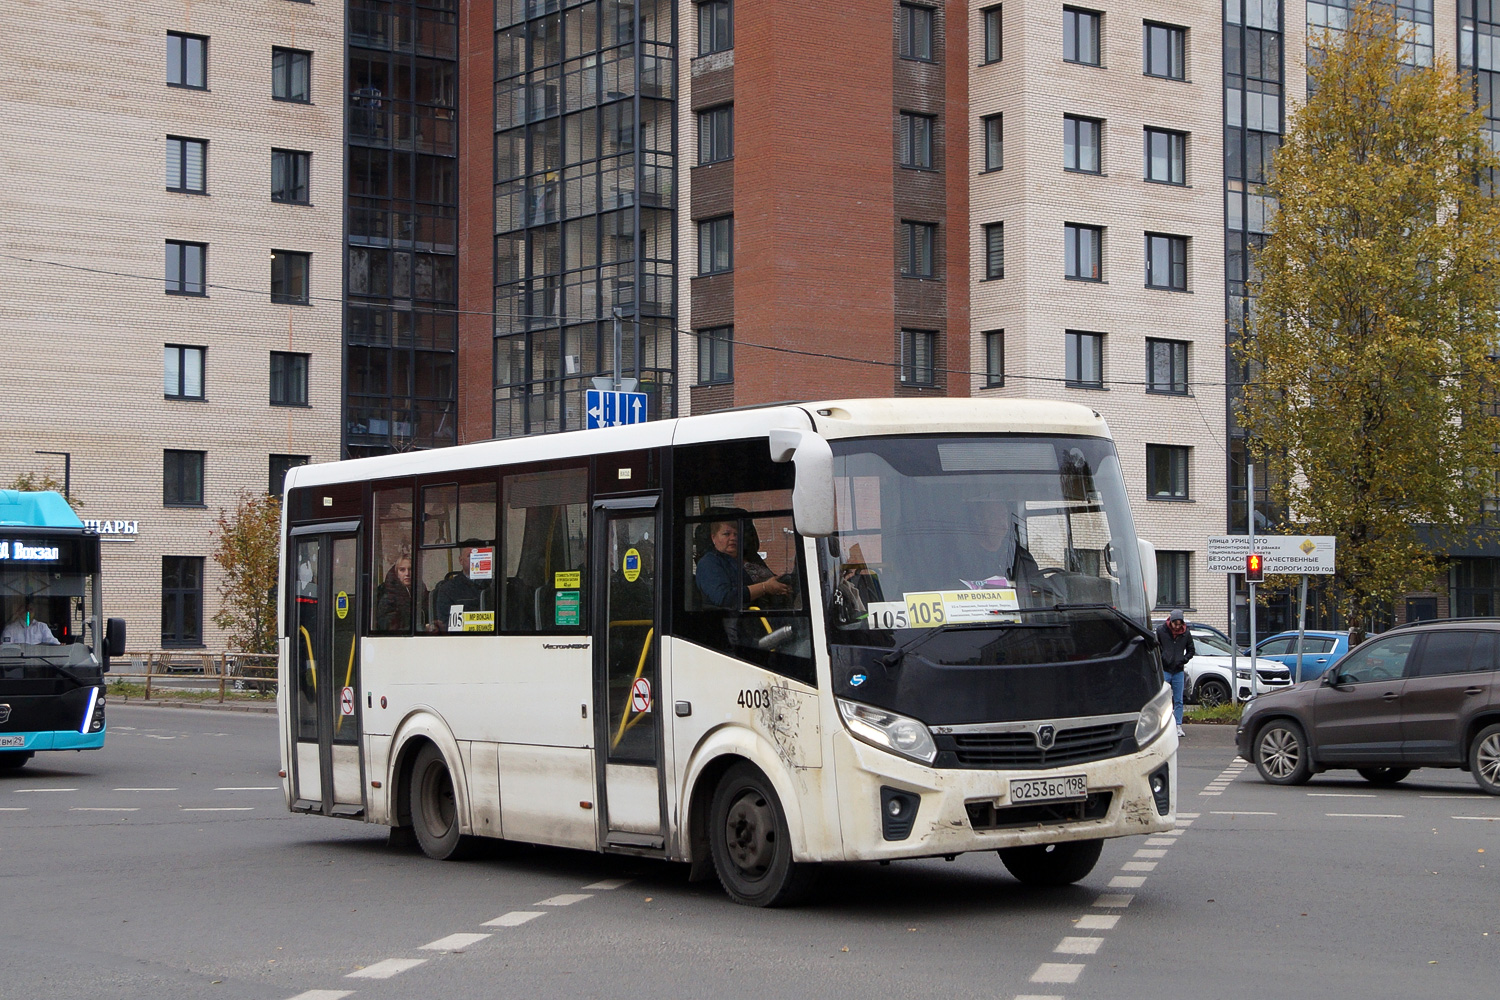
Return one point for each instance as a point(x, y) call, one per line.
point(328, 770)
point(627, 675)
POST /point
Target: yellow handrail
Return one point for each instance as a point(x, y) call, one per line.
point(312, 661)
point(348, 676)
point(625, 720)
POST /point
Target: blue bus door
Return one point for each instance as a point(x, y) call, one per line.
point(329, 764)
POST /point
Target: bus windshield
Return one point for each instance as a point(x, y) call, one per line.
point(953, 530)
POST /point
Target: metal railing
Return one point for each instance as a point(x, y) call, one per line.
point(232, 671)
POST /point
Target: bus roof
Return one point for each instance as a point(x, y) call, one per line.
point(832, 419)
point(44, 509)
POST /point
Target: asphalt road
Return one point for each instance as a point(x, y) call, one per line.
point(166, 866)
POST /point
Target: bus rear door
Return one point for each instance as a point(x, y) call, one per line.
point(328, 768)
point(627, 674)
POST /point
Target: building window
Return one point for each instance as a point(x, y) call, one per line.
point(1081, 141)
point(288, 379)
point(291, 75)
point(715, 26)
point(187, 163)
point(992, 36)
point(1083, 252)
point(1166, 156)
point(994, 142)
point(1165, 45)
point(1081, 35)
point(182, 478)
point(1166, 366)
point(915, 139)
point(289, 276)
point(716, 134)
point(1085, 362)
point(716, 245)
point(181, 601)
point(1166, 262)
point(1172, 580)
point(1166, 472)
point(994, 359)
point(994, 250)
point(280, 466)
point(187, 60)
point(182, 371)
point(289, 172)
point(716, 355)
point(917, 350)
point(186, 268)
point(915, 31)
point(916, 249)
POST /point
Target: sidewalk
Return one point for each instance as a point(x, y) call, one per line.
point(249, 707)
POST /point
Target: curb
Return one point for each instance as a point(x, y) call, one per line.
point(212, 706)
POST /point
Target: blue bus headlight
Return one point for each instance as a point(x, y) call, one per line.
point(1155, 717)
point(890, 731)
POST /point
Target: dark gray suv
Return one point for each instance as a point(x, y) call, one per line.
point(1423, 695)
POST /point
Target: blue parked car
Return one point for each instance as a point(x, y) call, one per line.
point(1320, 650)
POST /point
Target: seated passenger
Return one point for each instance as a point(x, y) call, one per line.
point(23, 627)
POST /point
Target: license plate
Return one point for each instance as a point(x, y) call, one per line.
point(12, 741)
point(1060, 788)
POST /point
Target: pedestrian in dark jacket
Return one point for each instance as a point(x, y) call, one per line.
point(1176, 650)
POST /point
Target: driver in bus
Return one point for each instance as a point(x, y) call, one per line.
point(24, 627)
point(723, 577)
point(995, 555)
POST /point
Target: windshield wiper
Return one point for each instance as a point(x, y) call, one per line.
point(895, 655)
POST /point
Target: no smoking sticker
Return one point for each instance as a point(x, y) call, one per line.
point(640, 696)
point(346, 702)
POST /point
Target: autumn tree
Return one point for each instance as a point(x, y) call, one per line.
point(34, 482)
point(245, 547)
point(1371, 384)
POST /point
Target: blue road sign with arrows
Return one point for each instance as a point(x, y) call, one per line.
point(614, 409)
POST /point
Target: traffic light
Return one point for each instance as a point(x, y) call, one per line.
point(1255, 569)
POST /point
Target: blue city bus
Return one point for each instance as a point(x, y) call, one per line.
point(55, 645)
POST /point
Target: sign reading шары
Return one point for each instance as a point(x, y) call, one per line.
point(1312, 554)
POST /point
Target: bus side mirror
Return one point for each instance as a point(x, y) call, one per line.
point(1148, 571)
point(114, 639)
point(812, 495)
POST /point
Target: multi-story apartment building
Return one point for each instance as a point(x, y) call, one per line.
point(870, 198)
point(172, 273)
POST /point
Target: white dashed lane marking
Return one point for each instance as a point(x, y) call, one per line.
point(609, 883)
point(14, 809)
point(145, 789)
point(1150, 854)
point(251, 788)
point(515, 918)
point(23, 791)
point(386, 969)
point(1056, 972)
point(104, 809)
point(1127, 881)
point(1341, 795)
point(1097, 921)
point(217, 809)
point(1238, 812)
point(565, 899)
point(1366, 815)
point(324, 995)
point(1078, 945)
point(455, 942)
point(1114, 900)
point(1486, 819)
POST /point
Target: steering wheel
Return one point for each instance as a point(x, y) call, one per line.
point(1382, 674)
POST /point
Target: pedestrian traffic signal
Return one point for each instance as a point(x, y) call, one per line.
point(1255, 569)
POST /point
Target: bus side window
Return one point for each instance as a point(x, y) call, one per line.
point(457, 570)
point(546, 546)
point(391, 611)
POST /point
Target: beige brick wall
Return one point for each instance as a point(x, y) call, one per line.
point(86, 111)
point(1034, 88)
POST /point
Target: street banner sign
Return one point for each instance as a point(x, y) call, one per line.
point(1311, 554)
point(605, 408)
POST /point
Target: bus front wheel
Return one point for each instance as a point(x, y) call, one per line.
point(11, 760)
point(752, 850)
point(1052, 864)
point(434, 807)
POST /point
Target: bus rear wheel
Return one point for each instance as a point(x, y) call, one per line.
point(1052, 864)
point(11, 760)
point(751, 847)
point(434, 807)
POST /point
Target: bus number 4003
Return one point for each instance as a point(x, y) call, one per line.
point(754, 699)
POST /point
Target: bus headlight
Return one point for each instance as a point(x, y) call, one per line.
point(890, 731)
point(1155, 717)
